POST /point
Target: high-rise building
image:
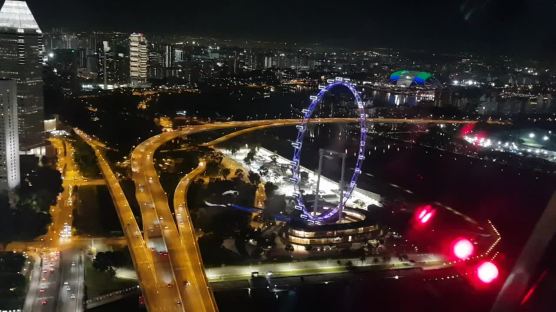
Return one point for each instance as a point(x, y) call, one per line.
point(156, 68)
point(138, 59)
point(9, 139)
point(169, 55)
point(178, 55)
point(21, 51)
point(113, 65)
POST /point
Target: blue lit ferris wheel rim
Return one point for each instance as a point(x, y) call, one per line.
point(298, 145)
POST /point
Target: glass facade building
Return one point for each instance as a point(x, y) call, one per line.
point(21, 52)
point(9, 140)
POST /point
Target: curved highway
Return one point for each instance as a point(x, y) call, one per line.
point(154, 292)
point(167, 260)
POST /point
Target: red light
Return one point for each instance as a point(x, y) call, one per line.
point(424, 214)
point(463, 248)
point(531, 291)
point(426, 218)
point(467, 129)
point(487, 272)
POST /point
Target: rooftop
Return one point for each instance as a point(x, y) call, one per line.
point(17, 15)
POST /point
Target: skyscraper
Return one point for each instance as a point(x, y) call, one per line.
point(9, 140)
point(113, 64)
point(21, 50)
point(169, 55)
point(138, 59)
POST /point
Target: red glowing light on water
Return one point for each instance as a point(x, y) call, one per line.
point(467, 129)
point(463, 248)
point(487, 272)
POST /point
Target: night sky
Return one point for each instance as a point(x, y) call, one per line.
point(495, 25)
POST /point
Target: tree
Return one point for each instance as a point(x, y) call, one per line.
point(103, 261)
point(212, 168)
point(254, 178)
point(40, 187)
point(37, 192)
point(270, 188)
point(86, 159)
point(225, 172)
point(110, 260)
point(274, 205)
point(289, 248)
point(239, 174)
point(250, 156)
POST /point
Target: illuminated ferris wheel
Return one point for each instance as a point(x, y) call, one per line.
point(313, 217)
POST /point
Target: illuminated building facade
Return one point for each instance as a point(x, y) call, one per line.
point(138, 59)
point(9, 139)
point(21, 53)
point(408, 78)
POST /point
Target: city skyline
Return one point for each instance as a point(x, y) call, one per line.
point(360, 151)
point(486, 26)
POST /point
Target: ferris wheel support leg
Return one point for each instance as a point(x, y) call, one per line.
point(342, 187)
point(316, 205)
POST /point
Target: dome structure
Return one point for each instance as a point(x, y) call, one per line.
point(408, 78)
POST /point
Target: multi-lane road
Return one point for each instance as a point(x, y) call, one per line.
point(167, 259)
point(72, 281)
point(183, 218)
point(177, 243)
point(52, 268)
point(157, 295)
point(178, 259)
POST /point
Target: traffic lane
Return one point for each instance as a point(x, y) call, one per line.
point(153, 223)
point(142, 260)
point(49, 280)
point(183, 265)
point(71, 277)
point(34, 285)
point(183, 262)
point(162, 255)
point(157, 246)
point(164, 274)
point(81, 284)
point(64, 288)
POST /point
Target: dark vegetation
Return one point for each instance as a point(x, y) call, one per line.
point(28, 215)
point(109, 261)
point(12, 283)
point(86, 159)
